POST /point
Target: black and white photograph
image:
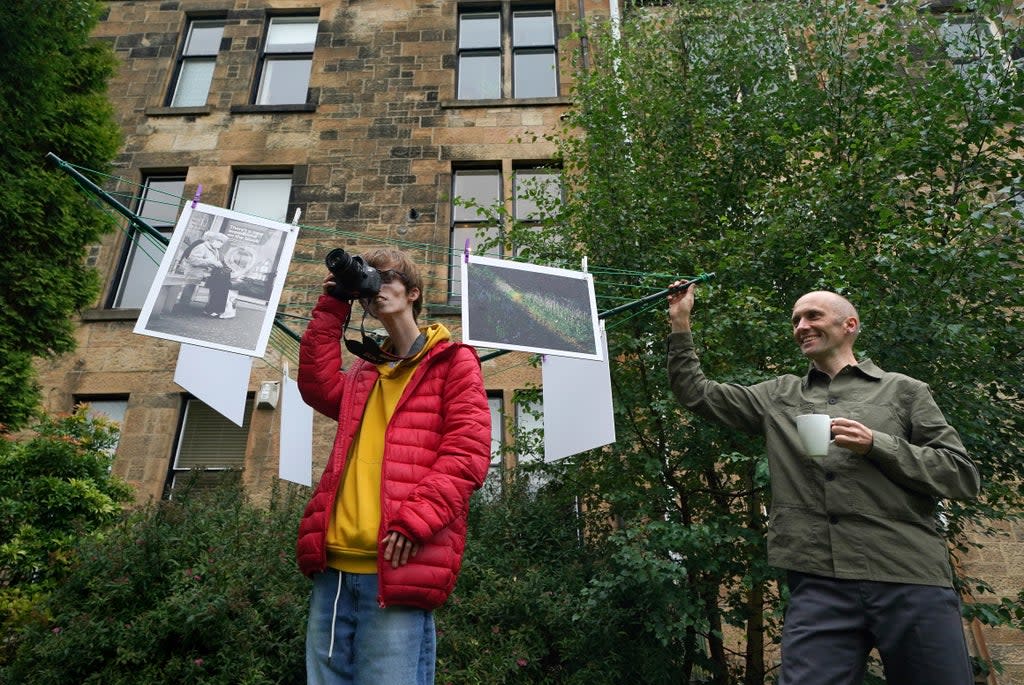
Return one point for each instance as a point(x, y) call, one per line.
point(529, 308)
point(220, 280)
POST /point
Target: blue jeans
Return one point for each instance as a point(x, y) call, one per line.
point(350, 640)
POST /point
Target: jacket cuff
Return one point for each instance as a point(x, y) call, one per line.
point(329, 303)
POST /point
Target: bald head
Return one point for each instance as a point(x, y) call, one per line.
point(835, 303)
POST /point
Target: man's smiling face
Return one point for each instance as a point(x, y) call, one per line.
point(819, 326)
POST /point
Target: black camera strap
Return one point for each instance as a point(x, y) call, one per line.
point(370, 350)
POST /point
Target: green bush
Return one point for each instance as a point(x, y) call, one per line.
point(510, 617)
point(55, 488)
point(535, 603)
point(204, 589)
point(201, 589)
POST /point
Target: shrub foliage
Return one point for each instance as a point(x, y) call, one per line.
point(201, 589)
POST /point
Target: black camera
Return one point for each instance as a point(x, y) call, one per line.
point(354, 279)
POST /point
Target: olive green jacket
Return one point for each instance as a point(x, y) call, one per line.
point(872, 517)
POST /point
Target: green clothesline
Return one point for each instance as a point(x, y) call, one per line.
point(157, 239)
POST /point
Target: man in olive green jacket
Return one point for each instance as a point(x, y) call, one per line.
point(857, 530)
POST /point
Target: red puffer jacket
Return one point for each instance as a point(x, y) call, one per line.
point(437, 451)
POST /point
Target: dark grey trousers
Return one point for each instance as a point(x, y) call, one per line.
point(831, 626)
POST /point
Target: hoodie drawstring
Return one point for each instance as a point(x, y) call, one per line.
point(334, 615)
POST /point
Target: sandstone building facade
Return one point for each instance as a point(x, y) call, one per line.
point(365, 117)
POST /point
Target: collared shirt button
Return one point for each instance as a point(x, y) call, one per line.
point(833, 519)
point(833, 400)
point(830, 476)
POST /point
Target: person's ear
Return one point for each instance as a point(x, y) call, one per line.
point(412, 294)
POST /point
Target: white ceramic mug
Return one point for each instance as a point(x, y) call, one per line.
point(815, 432)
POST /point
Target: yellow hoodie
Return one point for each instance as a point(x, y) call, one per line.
point(355, 522)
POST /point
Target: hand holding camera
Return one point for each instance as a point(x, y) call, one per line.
point(353, 278)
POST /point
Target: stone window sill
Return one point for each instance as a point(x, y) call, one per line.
point(177, 111)
point(272, 109)
point(506, 102)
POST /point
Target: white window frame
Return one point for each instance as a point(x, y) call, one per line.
point(158, 205)
point(277, 53)
point(196, 63)
point(208, 443)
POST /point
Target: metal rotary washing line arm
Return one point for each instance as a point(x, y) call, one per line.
point(136, 220)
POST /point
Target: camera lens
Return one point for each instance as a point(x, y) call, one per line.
point(337, 260)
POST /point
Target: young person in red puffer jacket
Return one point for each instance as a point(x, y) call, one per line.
point(383, 534)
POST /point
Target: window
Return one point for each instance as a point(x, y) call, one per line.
point(529, 436)
point(529, 430)
point(492, 485)
point(287, 61)
point(158, 206)
point(533, 54)
point(208, 444)
point(494, 42)
point(483, 188)
point(968, 38)
point(973, 45)
point(537, 192)
point(110, 409)
point(262, 195)
point(196, 62)
point(1017, 206)
point(479, 56)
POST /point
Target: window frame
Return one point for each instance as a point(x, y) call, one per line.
point(185, 58)
point(494, 480)
point(210, 420)
point(241, 176)
point(950, 14)
point(474, 52)
point(532, 220)
point(508, 50)
point(120, 400)
point(518, 200)
point(270, 55)
point(533, 49)
point(465, 226)
point(137, 241)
